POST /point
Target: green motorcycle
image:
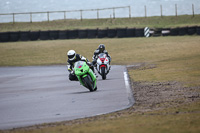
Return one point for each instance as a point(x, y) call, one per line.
point(85, 75)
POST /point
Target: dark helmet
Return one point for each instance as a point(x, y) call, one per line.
point(101, 48)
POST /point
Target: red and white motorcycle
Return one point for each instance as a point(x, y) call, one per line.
point(103, 65)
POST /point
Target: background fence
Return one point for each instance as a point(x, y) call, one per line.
point(95, 33)
point(113, 11)
point(48, 13)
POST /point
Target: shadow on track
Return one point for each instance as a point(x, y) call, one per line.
point(107, 79)
point(84, 92)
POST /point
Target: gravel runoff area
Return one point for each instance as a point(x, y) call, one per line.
point(149, 96)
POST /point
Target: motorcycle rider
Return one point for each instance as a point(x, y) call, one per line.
point(72, 58)
point(100, 49)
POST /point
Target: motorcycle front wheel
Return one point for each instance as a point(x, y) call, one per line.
point(88, 82)
point(103, 73)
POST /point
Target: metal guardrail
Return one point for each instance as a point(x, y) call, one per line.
point(64, 12)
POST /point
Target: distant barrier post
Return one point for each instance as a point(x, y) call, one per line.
point(13, 18)
point(48, 16)
point(64, 15)
point(129, 11)
point(176, 12)
point(30, 17)
point(114, 13)
point(81, 14)
point(146, 32)
point(193, 9)
point(97, 13)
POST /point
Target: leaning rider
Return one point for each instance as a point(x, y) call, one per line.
point(100, 49)
point(72, 58)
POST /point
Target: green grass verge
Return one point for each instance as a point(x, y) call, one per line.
point(175, 59)
point(167, 121)
point(140, 22)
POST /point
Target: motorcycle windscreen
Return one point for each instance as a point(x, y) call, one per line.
point(79, 64)
point(102, 55)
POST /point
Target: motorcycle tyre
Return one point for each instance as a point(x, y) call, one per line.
point(103, 74)
point(88, 84)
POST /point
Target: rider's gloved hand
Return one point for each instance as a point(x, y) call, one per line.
point(89, 63)
point(72, 72)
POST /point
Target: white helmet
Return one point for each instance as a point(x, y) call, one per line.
point(71, 54)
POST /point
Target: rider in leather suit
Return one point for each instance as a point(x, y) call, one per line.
point(72, 58)
point(100, 49)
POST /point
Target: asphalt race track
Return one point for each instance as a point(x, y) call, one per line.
point(42, 94)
